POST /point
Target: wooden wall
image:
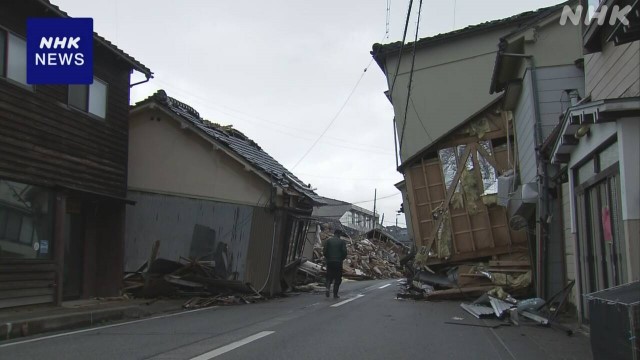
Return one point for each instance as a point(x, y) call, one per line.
point(45, 142)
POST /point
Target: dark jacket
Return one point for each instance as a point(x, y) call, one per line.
point(335, 249)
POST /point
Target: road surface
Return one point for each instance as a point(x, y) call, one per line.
point(368, 322)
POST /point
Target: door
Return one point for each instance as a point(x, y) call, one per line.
point(601, 250)
point(73, 250)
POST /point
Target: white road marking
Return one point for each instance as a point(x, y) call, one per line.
point(103, 327)
point(347, 301)
point(384, 286)
point(234, 345)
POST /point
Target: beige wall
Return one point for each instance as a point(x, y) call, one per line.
point(166, 159)
point(555, 44)
point(450, 83)
point(614, 72)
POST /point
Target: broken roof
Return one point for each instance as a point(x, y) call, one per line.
point(135, 64)
point(235, 141)
point(380, 51)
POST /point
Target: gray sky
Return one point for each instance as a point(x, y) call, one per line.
point(279, 71)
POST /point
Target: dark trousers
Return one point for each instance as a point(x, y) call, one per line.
point(334, 274)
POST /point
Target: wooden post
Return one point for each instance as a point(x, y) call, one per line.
point(450, 192)
point(58, 244)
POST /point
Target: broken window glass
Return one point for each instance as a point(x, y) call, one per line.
point(489, 173)
point(449, 165)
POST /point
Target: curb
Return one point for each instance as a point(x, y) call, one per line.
point(68, 321)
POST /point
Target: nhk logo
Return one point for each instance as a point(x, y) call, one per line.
point(615, 14)
point(59, 51)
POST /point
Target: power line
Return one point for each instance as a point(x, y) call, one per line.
point(252, 118)
point(372, 200)
point(404, 38)
point(413, 61)
point(345, 178)
point(335, 117)
point(388, 20)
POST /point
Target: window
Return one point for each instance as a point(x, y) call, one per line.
point(13, 57)
point(90, 98)
point(26, 221)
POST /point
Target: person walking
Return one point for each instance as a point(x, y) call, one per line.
point(335, 251)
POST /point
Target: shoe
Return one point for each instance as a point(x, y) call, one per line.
point(326, 293)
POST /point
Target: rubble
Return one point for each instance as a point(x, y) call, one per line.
point(190, 278)
point(369, 256)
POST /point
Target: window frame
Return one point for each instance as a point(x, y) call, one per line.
point(6, 33)
point(88, 99)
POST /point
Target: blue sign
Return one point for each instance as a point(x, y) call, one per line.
point(59, 51)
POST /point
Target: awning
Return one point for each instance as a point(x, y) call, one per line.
point(584, 115)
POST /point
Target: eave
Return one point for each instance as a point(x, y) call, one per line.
point(588, 114)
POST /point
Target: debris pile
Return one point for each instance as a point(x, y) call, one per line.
point(187, 278)
point(497, 304)
point(510, 273)
point(370, 256)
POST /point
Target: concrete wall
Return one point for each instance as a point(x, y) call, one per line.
point(164, 158)
point(450, 83)
point(614, 72)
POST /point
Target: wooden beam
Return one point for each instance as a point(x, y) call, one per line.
point(450, 192)
point(509, 263)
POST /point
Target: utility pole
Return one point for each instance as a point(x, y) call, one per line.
point(375, 194)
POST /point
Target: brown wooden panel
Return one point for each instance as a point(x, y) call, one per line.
point(10, 294)
point(54, 144)
point(23, 301)
point(24, 284)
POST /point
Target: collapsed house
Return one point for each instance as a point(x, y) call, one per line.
point(454, 147)
point(208, 192)
point(373, 255)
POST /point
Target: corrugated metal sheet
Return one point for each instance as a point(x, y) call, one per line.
point(499, 306)
point(479, 311)
point(188, 227)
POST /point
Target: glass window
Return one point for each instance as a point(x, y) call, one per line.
point(17, 59)
point(586, 172)
point(90, 98)
point(98, 98)
point(26, 221)
point(489, 173)
point(609, 156)
point(3, 47)
point(13, 57)
point(78, 95)
point(449, 165)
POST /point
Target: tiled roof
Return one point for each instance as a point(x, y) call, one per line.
point(236, 141)
point(380, 51)
point(109, 45)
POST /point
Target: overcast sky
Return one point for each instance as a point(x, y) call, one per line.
point(279, 71)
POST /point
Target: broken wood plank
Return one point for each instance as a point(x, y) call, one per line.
point(457, 292)
point(509, 263)
point(450, 192)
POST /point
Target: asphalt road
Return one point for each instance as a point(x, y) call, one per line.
point(368, 322)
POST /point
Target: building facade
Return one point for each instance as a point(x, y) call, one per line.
point(63, 171)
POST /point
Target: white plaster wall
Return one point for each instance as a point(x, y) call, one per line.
point(164, 158)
